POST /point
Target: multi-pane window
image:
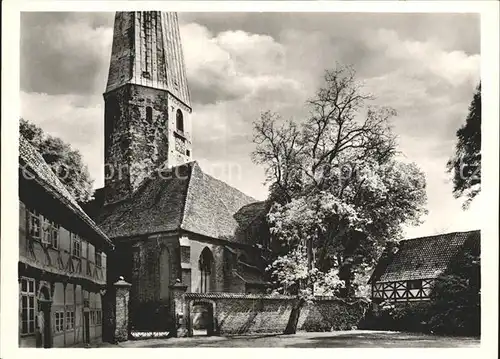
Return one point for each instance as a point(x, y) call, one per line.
point(46, 231)
point(34, 224)
point(27, 306)
point(98, 259)
point(98, 317)
point(54, 229)
point(59, 321)
point(70, 318)
point(43, 229)
point(76, 245)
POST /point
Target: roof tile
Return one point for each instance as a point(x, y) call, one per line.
point(195, 202)
point(426, 257)
point(34, 162)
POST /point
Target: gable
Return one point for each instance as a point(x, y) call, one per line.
point(156, 206)
point(211, 206)
point(423, 258)
point(194, 202)
point(32, 166)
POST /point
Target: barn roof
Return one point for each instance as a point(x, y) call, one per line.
point(32, 161)
point(420, 258)
point(193, 201)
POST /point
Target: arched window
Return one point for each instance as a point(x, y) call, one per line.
point(179, 121)
point(206, 265)
point(149, 115)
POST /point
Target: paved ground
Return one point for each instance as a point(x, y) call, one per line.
point(341, 339)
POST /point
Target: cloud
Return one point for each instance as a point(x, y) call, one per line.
point(76, 119)
point(426, 66)
point(66, 55)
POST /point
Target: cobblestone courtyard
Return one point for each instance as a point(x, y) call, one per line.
point(341, 339)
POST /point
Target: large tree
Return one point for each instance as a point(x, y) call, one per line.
point(339, 192)
point(66, 162)
point(465, 165)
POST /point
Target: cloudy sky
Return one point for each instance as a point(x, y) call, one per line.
point(426, 66)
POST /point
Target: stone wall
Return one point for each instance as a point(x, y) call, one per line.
point(330, 313)
point(252, 313)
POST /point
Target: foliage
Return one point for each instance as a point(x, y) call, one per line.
point(456, 297)
point(465, 165)
point(411, 317)
point(66, 163)
point(328, 315)
point(339, 193)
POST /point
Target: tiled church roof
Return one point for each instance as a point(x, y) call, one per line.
point(426, 257)
point(31, 160)
point(193, 201)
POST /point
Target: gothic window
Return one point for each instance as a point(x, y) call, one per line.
point(27, 306)
point(206, 265)
point(149, 115)
point(179, 121)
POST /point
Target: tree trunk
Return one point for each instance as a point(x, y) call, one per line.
point(291, 327)
point(310, 262)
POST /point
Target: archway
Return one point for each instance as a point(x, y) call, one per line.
point(43, 322)
point(202, 318)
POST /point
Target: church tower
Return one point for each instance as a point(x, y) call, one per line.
point(147, 104)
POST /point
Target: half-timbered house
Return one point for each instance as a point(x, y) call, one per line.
point(406, 272)
point(62, 260)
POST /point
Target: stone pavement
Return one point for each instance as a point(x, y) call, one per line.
point(340, 339)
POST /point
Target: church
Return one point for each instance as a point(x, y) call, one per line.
point(169, 221)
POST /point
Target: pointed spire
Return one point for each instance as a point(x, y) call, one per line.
point(147, 51)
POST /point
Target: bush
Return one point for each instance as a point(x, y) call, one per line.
point(456, 296)
point(412, 317)
point(454, 308)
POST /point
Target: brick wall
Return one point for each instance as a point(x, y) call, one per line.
point(251, 313)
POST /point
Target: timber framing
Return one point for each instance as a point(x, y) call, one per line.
point(403, 291)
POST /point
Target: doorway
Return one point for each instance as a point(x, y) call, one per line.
point(86, 325)
point(202, 319)
point(44, 324)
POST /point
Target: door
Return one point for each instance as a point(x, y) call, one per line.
point(86, 325)
point(45, 325)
